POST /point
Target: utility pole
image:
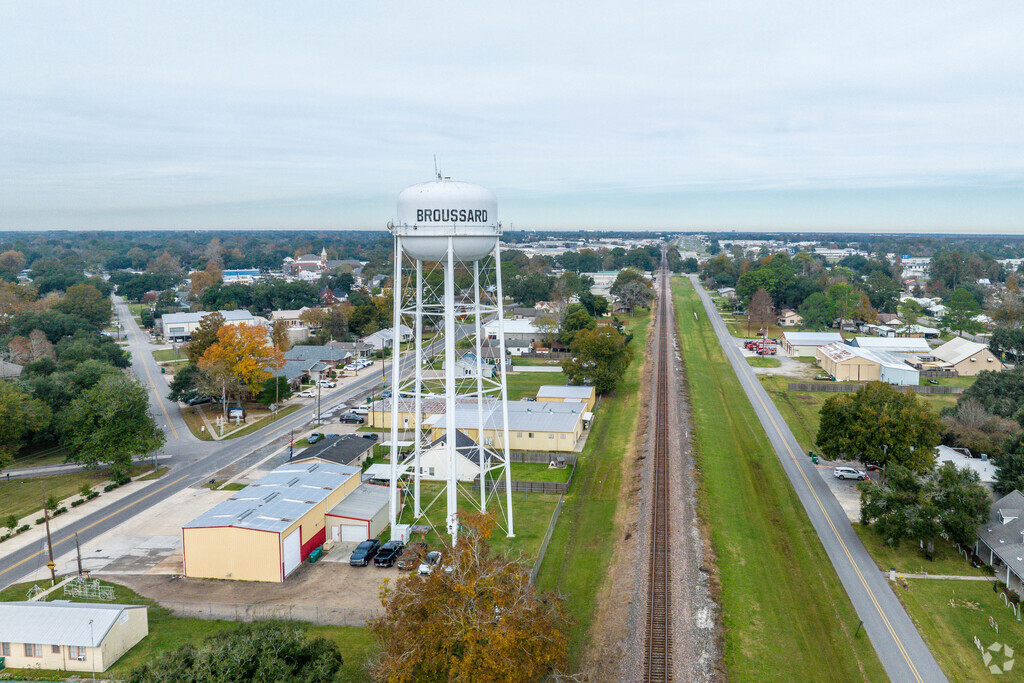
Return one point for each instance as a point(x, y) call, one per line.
point(318, 387)
point(78, 549)
point(49, 543)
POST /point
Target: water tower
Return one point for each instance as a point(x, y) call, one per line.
point(447, 284)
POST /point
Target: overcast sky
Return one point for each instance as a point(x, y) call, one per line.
point(688, 115)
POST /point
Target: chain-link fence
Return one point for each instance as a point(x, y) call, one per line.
point(235, 611)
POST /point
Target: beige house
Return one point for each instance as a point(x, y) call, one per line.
point(69, 636)
point(266, 530)
point(968, 358)
point(789, 318)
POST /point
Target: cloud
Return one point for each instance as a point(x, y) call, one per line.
point(278, 116)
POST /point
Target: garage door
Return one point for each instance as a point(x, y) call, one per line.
point(353, 532)
point(292, 547)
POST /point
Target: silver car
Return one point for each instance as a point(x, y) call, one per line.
point(849, 473)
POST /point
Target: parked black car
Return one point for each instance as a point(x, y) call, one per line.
point(388, 553)
point(352, 418)
point(364, 552)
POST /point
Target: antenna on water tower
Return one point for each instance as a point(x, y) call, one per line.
point(437, 173)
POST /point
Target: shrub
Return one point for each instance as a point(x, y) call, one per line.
point(59, 511)
point(92, 494)
point(76, 503)
point(85, 491)
point(22, 528)
point(110, 487)
point(41, 520)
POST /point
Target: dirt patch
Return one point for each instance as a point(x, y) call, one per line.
point(324, 584)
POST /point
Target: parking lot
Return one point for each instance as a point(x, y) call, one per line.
point(845, 491)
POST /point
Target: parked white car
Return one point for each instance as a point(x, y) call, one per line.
point(327, 384)
point(849, 473)
point(306, 393)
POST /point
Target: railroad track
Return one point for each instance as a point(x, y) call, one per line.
point(658, 639)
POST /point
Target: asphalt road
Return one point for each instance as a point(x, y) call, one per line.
point(899, 646)
point(192, 461)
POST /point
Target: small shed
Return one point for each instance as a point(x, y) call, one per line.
point(568, 394)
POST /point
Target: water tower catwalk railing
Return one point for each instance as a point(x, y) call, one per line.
point(455, 298)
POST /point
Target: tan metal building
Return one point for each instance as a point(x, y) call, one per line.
point(69, 636)
point(553, 393)
point(840, 361)
point(266, 530)
point(532, 425)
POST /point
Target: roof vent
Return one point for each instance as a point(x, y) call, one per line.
point(292, 482)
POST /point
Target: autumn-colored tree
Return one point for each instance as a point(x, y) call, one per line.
point(279, 335)
point(21, 350)
point(41, 346)
point(204, 336)
point(204, 279)
point(476, 617)
point(11, 263)
point(761, 311)
point(241, 358)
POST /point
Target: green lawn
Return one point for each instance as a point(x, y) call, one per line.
point(537, 362)
point(950, 629)
point(525, 384)
point(581, 547)
point(260, 424)
point(165, 355)
point(523, 471)
point(763, 362)
point(531, 514)
point(20, 497)
point(38, 456)
point(949, 381)
point(910, 559)
point(167, 632)
point(779, 592)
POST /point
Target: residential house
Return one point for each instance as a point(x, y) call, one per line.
point(384, 339)
point(968, 358)
point(298, 329)
point(1001, 541)
point(69, 636)
point(789, 318)
point(358, 349)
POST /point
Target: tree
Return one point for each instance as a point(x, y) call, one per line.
point(599, 357)
point(41, 346)
point(21, 350)
point(240, 359)
point(257, 651)
point(632, 288)
point(481, 621)
point(816, 312)
point(910, 312)
point(11, 263)
point(975, 428)
point(204, 336)
point(20, 415)
point(335, 324)
point(948, 501)
point(279, 335)
point(842, 299)
point(576, 318)
point(1007, 341)
point(961, 308)
point(1001, 393)
point(85, 301)
point(110, 424)
point(1010, 469)
point(761, 311)
point(186, 383)
point(202, 280)
point(879, 425)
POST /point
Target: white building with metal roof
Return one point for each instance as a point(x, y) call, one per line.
point(180, 326)
point(968, 358)
point(69, 636)
point(264, 531)
point(532, 425)
point(361, 515)
point(909, 347)
point(807, 343)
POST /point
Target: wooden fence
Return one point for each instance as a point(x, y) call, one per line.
point(939, 373)
point(838, 388)
point(541, 456)
point(521, 486)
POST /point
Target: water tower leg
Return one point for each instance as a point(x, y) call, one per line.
point(479, 389)
point(449, 390)
point(500, 312)
point(418, 392)
point(396, 296)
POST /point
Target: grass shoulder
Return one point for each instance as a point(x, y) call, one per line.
point(20, 497)
point(763, 362)
point(581, 547)
point(779, 591)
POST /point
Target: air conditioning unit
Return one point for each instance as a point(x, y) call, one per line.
point(80, 658)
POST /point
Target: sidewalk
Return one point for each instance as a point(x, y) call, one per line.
point(49, 470)
point(990, 579)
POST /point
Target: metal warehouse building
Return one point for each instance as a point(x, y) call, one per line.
point(362, 515)
point(266, 530)
point(850, 363)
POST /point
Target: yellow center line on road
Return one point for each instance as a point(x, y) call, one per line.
point(159, 398)
point(828, 519)
point(98, 521)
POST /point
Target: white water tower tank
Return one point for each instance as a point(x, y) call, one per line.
point(428, 213)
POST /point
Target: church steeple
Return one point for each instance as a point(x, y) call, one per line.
point(323, 257)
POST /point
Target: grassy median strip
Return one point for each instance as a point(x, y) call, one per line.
point(581, 547)
point(784, 610)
